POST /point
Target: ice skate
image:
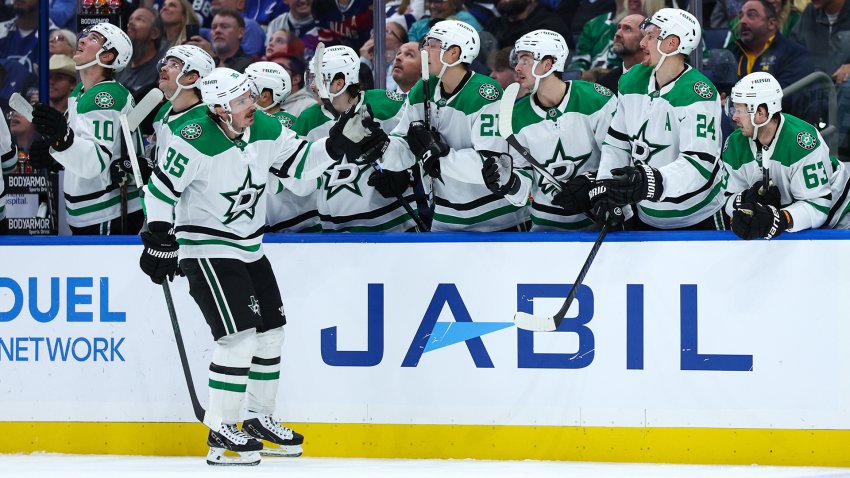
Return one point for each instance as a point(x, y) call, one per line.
point(278, 440)
point(231, 438)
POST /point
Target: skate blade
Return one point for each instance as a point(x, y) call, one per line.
point(219, 457)
point(291, 451)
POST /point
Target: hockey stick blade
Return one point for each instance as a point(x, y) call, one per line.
point(147, 104)
point(22, 106)
point(537, 323)
point(506, 117)
point(321, 89)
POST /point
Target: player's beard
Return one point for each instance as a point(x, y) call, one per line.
point(512, 7)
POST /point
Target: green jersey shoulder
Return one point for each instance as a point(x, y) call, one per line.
point(104, 96)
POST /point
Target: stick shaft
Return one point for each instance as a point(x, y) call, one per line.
point(559, 317)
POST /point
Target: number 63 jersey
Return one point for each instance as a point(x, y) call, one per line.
point(676, 130)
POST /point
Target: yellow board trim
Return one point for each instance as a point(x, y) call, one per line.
point(649, 445)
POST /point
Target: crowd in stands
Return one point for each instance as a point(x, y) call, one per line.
point(789, 39)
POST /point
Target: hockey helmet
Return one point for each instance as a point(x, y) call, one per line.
point(114, 38)
point(455, 33)
point(194, 59)
point(267, 74)
point(542, 43)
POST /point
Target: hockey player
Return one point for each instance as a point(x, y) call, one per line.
point(286, 211)
point(663, 146)
point(88, 144)
point(806, 189)
point(562, 124)
point(211, 191)
point(8, 161)
point(464, 128)
point(348, 200)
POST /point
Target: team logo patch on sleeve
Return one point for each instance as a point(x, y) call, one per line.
point(703, 89)
point(286, 121)
point(807, 140)
point(602, 90)
point(395, 96)
point(191, 131)
point(104, 100)
point(488, 92)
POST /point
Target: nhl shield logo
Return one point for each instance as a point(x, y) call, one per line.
point(807, 140)
point(703, 89)
point(602, 90)
point(488, 92)
point(395, 96)
point(191, 131)
point(104, 100)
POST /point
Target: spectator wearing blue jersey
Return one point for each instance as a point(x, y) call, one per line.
point(263, 11)
point(63, 13)
point(298, 20)
point(443, 10)
point(343, 22)
point(19, 36)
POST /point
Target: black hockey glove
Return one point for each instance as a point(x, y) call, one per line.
point(390, 184)
point(634, 184)
point(428, 146)
point(52, 126)
point(754, 220)
point(40, 155)
point(159, 259)
point(375, 145)
point(498, 173)
point(602, 208)
point(771, 197)
point(342, 141)
point(574, 195)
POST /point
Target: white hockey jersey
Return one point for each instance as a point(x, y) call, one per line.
point(676, 130)
point(215, 188)
point(8, 161)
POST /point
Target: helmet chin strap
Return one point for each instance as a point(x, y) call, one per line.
point(180, 88)
point(537, 77)
point(96, 61)
point(445, 65)
point(663, 57)
point(756, 126)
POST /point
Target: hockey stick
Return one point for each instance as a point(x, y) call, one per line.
point(537, 323)
point(506, 117)
point(22, 106)
point(426, 89)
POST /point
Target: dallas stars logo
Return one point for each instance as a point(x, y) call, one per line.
point(244, 200)
point(254, 305)
point(602, 90)
point(395, 96)
point(488, 92)
point(642, 149)
point(703, 89)
point(286, 121)
point(561, 166)
point(104, 100)
point(807, 141)
point(191, 131)
point(345, 176)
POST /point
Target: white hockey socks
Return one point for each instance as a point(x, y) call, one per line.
point(229, 370)
point(265, 372)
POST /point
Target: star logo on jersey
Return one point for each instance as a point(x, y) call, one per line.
point(244, 200)
point(807, 141)
point(703, 89)
point(343, 176)
point(395, 96)
point(254, 305)
point(642, 149)
point(104, 100)
point(602, 90)
point(488, 92)
point(561, 166)
point(191, 131)
point(286, 121)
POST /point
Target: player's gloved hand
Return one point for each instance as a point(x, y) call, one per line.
point(634, 184)
point(344, 137)
point(602, 208)
point(574, 195)
point(390, 184)
point(754, 194)
point(375, 145)
point(159, 259)
point(52, 126)
point(40, 155)
point(429, 146)
point(754, 220)
point(498, 173)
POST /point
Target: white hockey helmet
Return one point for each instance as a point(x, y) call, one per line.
point(114, 38)
point(267, 74)
point(754, 90)
point(674, 21)
point(335, 60)
point(542, 43)
point(223, 85)
point(194, 59)
point(455, 33)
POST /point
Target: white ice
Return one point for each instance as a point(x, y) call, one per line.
point(106, 466)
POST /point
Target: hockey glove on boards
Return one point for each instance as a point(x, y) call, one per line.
point(498, 173)
point(390, 184)
point(754, 194)
point(603, 209)
point(574, 195)
point(634, 184)
point(40, 155)
point(159, 259)
point(428, 146)
point(754, 220)
point(344, 136)
point(52, 126)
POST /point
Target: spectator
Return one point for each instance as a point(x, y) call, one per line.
point(787, 17)
point(62, 42)
point(201, 8)
point(298, 20)
point(300, 99)
point(228, 28)
point(19, 36)
point(253, 39)
point(725, 12)
point(145, 32)
point(407, 67)
point(263, 11)
point(822, 29)
point(343, 22)
point(396, 35)
point(63, 79)
point(593, 49)
point(522, 16)
point(62, 13)
point(442, 10)
point(23, 134)
point(500, 66)
point(175, 15)
point(577, 13)
point(626, 46)
point(284, 43)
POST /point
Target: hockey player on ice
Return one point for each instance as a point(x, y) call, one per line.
point(210, 192)
point(563, 125)
point(662, 152)
point(88, 143)
point(807, 189)
point(464, 131)
point(286, 211)
point(348, 200)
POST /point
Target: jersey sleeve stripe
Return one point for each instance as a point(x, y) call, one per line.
point(300, 168)
point(166, 181)
point(709, 182)
point(618, 135)
point(157, 193)
point(218, 233)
